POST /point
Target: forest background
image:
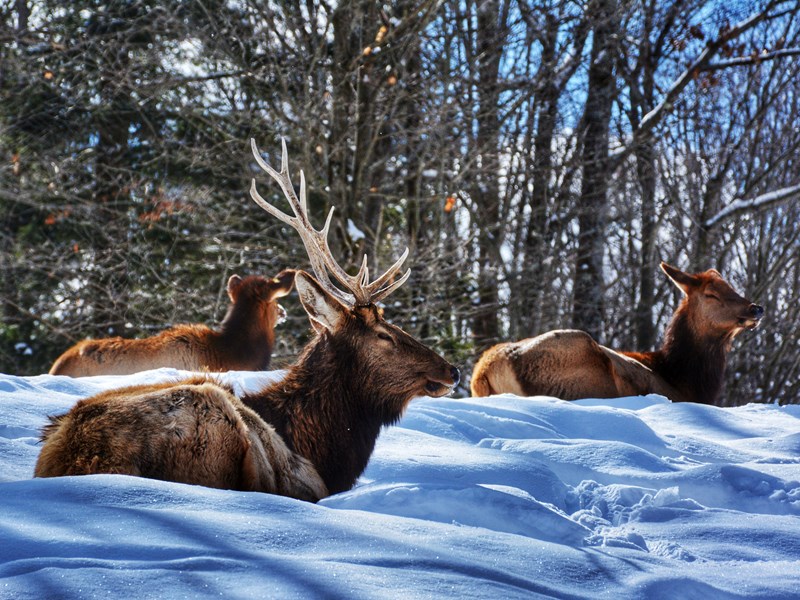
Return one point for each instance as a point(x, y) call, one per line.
point(538, 159)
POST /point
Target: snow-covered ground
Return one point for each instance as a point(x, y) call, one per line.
point(500, 497)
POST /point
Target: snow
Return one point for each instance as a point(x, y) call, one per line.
point(354, 232)
point(742, 205)
point(500, 497)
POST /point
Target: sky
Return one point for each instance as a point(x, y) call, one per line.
point(500, 497)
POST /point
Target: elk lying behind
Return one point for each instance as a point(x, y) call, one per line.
point(305, 436)
point(689, 366)
point(244, 341)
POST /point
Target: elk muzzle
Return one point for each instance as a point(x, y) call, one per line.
point(753, 316)
point(443, 384)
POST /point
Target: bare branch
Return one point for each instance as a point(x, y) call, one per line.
point(651, 119)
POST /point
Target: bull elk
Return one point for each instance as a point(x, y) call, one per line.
point(305, 436)
point(689, 366)
point(244, 341)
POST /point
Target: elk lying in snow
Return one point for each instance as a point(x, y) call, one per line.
point(305, 436)
point(195, 431)
point(244, 341)
point(689, 367)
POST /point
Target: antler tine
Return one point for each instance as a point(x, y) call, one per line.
point(284, 156)
point(267, 206)
point(362, 292)
point(381, 294)
point(303, 201)
point(363, 273)
point(299, 222)
point(390, 272)
point(378, 288)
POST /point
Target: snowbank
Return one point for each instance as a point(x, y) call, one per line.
point(488, 498)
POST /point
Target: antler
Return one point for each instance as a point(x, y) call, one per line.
point(361, 291)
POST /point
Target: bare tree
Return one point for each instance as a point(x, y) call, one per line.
point(538, 156)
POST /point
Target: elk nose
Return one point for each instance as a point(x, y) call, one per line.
point(757, 311)
point(456, 375)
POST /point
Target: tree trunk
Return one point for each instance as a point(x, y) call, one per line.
point(109, 280)
point(343, 99)
point(23, 14)
point(601, 92)
point(537, 230)
point(487, 190)
point(643, 317)
point(700, 259)
point(642, 102)
point(417, 234)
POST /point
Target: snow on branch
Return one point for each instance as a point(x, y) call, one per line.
point(739, 206)
point(752, 59)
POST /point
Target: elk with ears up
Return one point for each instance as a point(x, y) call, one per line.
point(689, 366)
point(244, 341)
point(305, 436)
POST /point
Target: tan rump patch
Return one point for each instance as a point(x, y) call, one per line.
point(502, 377)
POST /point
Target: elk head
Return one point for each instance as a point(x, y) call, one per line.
point(260, 292)
point(383, 359)
point(715, 309)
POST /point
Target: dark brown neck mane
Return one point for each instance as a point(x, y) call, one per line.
point(245, 336)
point(324, 410)
point(693, 365)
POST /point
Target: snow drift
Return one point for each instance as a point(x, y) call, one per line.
point(494, 497)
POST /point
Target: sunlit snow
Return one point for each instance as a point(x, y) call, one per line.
point(500, 497)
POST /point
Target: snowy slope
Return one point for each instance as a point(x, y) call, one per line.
point(499, 497)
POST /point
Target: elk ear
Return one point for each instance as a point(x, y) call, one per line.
point(325, 311)
point(234, 282)
point(282, 283)
point(684, 281)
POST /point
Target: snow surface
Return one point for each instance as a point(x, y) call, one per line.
point(500, 497)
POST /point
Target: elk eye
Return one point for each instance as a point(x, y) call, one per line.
point(385, 336)
point(713, 297)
